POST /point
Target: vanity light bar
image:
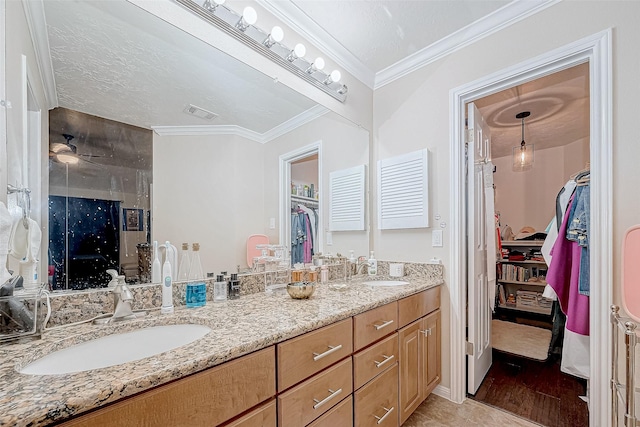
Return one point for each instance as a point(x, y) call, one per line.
point(226, 20)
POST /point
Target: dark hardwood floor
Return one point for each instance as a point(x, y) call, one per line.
point(535, 390)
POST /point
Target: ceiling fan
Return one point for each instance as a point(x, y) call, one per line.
point(66, 152)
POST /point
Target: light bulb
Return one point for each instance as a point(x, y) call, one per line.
point(335, 75)
point(274, 37)
point(249, 15)
point(67, 158)
point(317, 65)
point(297, 52)
point(300, 50)
point(277, 34)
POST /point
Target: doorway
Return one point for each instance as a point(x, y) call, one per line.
point(301, 195)
point(595, 50)
point(526, 329)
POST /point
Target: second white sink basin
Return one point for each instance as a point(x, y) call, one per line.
point(112, 350)
point(386, 283)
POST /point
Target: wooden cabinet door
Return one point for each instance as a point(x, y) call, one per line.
point(307, 401)
point(205, 399)
point(410, 364)
point(340, 415)
point(376, 403)
point(430, 336)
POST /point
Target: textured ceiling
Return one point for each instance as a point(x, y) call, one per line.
point(113, 60)
point(559, 106)
point(382, 32)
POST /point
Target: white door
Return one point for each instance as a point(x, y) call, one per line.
point(478, 310)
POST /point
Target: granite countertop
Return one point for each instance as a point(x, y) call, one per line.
point(238, 327)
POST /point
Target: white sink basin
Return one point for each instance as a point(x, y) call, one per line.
point(386, 283)
point(116, 349)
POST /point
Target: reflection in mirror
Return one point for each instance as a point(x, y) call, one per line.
point(217, 127)
point(99, 187)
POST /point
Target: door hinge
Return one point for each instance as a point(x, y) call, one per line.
point(469, 348)
point(468, 137)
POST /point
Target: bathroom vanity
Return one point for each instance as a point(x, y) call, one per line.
point(357, 356)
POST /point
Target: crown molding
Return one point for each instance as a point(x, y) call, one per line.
point(283, 128)
point(485, 26)
point(295, 122)
point(291, 15)
point(37, 23)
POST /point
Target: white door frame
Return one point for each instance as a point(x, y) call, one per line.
point(285, 191)
point(596, 50)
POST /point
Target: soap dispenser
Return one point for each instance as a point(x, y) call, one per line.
point(373, 265)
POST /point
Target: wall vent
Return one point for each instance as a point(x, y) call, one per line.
point(403, 191)
point(193, 110)
point(346, 199)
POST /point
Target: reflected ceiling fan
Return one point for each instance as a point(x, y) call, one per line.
point(66, 152)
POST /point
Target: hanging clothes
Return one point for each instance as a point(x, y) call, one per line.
point(568, 260)
point(304, 225)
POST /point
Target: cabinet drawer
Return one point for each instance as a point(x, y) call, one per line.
point(307, 401)
point(372, 325)
point(418, 305)
point(204, 399)
point(374, 360)
point(262, 416)
point(376, 404)
point(301, 357)
point(339, 416)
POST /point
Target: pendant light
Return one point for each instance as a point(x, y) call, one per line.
point(523, 154)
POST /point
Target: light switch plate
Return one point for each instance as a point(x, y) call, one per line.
point(436, 238)
point(329, 238)
point(272, 223)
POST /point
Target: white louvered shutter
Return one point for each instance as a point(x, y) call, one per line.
point(346, 199)
point(403, 191)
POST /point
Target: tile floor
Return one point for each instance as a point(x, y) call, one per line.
point(439, 412)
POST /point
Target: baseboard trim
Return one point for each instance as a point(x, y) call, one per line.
point(442, 391)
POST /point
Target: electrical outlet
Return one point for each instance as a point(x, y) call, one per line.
point(272, 223)
point(329, 238)
point(436, 238)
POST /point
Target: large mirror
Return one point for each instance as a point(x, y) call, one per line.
point(172, 140)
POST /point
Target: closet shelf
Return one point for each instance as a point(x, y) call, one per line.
point(505, 261)
point(538, 310)
point(524, 243)
point(516, 282)
point(302, 198)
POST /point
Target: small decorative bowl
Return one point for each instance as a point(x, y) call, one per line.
point(301, 290)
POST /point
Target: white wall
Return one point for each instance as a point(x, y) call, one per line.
point(208, 189)
point(344, 145)
point(413, 113)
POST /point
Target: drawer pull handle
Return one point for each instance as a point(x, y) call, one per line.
point(386, 359)
point(381, 419)
point(332, 349)
point(333, 394)
point(426, 332)
point(383, 324)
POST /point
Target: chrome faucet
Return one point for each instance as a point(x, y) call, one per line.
point(122, 298)
point(362, 263)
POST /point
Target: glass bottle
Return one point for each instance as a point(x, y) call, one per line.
point(196, 287)
point(220, 289)
point(183, 269)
